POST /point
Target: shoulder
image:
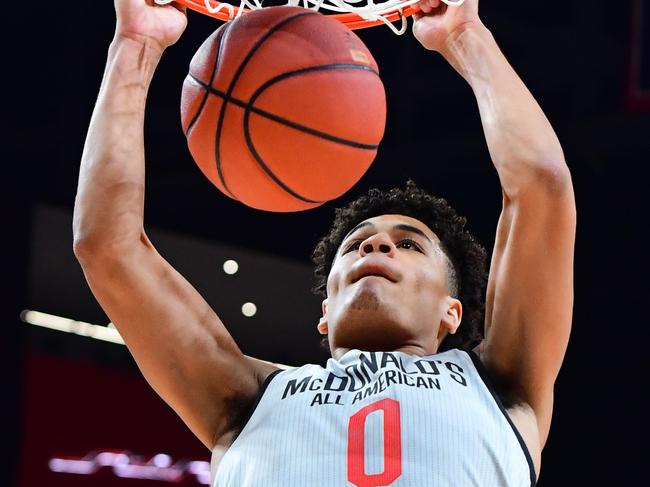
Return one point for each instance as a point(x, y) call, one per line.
point(519, 413)
point(265, 371)
point(497, 383)
point(241, 410)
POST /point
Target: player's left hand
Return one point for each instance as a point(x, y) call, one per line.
point(438, 24)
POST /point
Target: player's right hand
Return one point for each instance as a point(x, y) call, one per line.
point(437, 25)
point(143, 20)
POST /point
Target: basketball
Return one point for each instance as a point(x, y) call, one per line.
point(283, 109)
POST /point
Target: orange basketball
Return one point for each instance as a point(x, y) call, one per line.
point(283, 109)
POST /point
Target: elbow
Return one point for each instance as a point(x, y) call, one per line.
point(546, 190)
point(85, 248)
point(553, 180)
point(90, 249)
point(555, 186)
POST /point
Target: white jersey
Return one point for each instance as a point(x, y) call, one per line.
point(379, 419)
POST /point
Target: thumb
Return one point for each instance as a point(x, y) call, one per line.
point(425, 20)
point(421, 23)
point(426, 29)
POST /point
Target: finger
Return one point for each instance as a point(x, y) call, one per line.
point(422, 4)
point(170, 4)
point(417, 28)
point(424, 21)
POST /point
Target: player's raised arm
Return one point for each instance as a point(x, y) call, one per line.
point(530, 288)
point(179, 343)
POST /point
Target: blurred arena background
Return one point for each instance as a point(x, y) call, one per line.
point(77, 411)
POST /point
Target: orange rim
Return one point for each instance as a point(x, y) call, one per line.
point(350, 20)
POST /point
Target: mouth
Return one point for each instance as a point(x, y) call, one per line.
point(373, 271)
point(371, 275)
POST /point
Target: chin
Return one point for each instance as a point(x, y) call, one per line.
point(368, 302)
point(369, 294)
point(370, 334)
point(367, 316)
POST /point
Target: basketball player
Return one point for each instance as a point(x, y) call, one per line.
point(409, 397)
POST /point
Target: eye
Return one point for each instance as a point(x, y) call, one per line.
point(352, 246)
point(408, 245)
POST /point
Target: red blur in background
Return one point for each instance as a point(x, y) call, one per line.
point(74, 409)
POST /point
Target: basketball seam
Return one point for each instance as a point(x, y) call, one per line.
point(214, 71)
point(284, 121)
point(260, 90)
point(234, 80)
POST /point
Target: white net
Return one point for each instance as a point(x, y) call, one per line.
point(371, 10)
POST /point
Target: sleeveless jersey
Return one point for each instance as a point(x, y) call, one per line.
point(378, 419)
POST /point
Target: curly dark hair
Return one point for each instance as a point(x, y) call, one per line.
point(467, 274)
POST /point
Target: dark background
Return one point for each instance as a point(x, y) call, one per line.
point(586, 62)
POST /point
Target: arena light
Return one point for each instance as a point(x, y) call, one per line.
point(67, 325)
point(230, 267)
point(249, 309)
point(125, 464)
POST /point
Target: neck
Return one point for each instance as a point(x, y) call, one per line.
point(410, 349)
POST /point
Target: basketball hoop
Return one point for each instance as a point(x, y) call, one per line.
point(374, 12)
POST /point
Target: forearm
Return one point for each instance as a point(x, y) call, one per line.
point(109, 206)
point(521, 141)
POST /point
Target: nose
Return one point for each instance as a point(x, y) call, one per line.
point(380, 242)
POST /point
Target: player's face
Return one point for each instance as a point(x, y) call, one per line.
point(387, 288)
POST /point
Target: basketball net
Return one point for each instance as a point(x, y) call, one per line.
point(350, 13)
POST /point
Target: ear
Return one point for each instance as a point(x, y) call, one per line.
point(451, 318)
point(322, 324)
